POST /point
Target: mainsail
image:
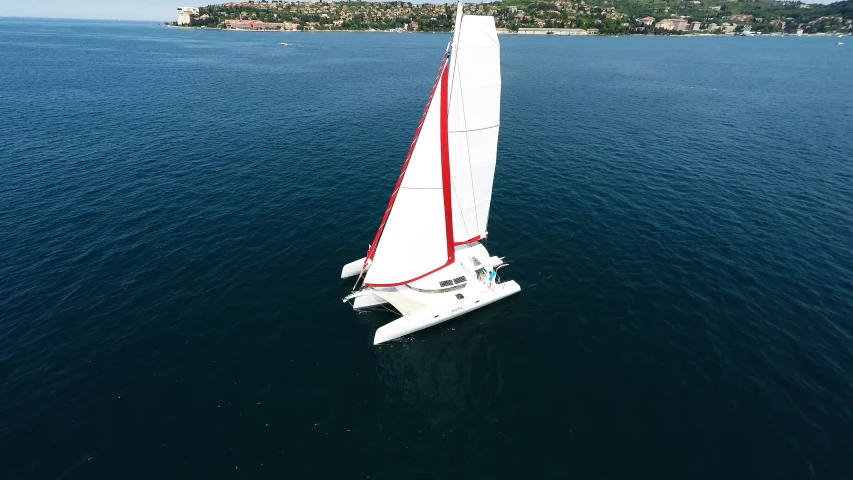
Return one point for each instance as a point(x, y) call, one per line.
point(443, 195)
point(474, 119)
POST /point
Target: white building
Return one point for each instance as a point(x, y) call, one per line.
point(677, 24)
point(186, 14)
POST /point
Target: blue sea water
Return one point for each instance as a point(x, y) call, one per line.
point(175, 207)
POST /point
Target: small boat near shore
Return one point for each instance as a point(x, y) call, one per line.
point(283, 44)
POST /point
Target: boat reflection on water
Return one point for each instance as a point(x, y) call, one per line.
point(448, 375)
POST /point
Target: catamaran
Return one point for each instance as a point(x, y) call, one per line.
point(428, 259)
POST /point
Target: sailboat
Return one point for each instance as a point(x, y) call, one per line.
point(428, 260)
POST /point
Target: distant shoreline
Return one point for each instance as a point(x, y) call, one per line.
point(688, 35)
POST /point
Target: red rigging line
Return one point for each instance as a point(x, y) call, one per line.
point(445, 167)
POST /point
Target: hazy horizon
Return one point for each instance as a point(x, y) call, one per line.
point(152, 10)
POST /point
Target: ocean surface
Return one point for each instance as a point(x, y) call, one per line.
point(176, 206)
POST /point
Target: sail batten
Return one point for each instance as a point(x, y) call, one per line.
point(474, 129)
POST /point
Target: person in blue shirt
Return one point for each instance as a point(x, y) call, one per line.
point(492, 277)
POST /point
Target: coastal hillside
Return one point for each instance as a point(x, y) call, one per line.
point(594, 16)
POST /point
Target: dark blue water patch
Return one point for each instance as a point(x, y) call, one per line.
point(176, 207)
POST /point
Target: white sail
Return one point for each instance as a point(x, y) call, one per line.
point(474, 120)
point(413, 241)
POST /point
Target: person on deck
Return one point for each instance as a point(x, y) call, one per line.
point(492, 277)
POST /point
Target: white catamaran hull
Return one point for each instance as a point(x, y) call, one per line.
point(427, 318)
point(352, 268)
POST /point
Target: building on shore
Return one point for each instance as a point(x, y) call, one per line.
point(674, 24)
point(257, 25)
point(552, 31)
point(186, 15)
point(647, 21)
